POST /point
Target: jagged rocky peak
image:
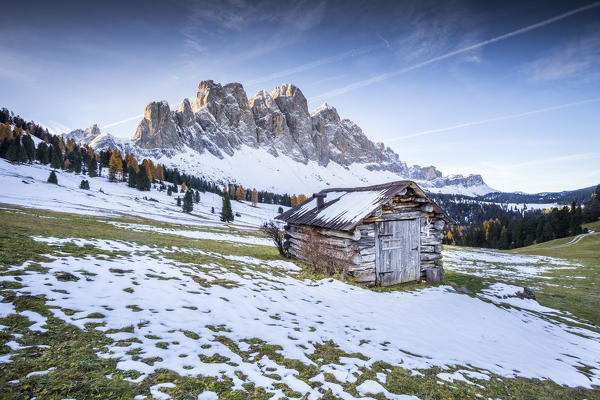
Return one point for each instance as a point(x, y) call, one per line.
point(229, 106)
point(267, 114)
point(92, 131)
point(326, 113)
point(293, 105)
point(157, 129)
point(92, 137)
point(81, 137)
point(424, 173)
point(185, 107)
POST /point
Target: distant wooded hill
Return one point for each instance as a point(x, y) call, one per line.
point(578, 196)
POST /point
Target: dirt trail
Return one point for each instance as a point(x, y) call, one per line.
point(573, 241)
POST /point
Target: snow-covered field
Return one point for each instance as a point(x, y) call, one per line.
point(416, 330)
point(199, 312)
point(488, 263)
point(252, 304)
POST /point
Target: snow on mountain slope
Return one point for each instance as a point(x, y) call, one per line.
point(257, 168)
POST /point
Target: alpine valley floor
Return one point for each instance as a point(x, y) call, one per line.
point(108, 295)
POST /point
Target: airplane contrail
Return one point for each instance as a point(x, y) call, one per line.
point(311, 65)
point(495, 119)
point(387, 75)
point(121, 121)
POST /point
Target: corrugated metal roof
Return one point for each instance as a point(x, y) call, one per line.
point(345, 208)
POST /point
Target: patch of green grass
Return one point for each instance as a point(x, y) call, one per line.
point(95, 315)
point(574, 290)
point(20, 226)
point(134, 308)
point(593, 226)
point(191, 335)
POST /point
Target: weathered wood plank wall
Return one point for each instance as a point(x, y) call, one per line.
point(358, 249)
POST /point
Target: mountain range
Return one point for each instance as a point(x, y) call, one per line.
point(270, 141)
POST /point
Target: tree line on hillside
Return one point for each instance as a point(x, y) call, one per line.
point(578, 196)
point(591, 211)
point(468, 211)
point(510, 233)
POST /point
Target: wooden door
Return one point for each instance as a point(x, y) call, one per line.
point(398, 247)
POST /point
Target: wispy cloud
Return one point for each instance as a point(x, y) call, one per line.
point(543, 161)
point(311, 65)
point(212, 25)
point(496, 119)
point(575, 59)
point(386, 43)
point(328, 79)
point(387, 75)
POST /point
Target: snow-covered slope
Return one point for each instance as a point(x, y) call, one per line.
point(270, 141)
point(28, 188)
point(257, 168)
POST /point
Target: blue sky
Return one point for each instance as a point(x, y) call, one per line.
point(510, 90)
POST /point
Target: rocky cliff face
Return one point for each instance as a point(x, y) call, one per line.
point(223, 121)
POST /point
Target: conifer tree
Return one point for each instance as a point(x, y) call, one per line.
point(240, 193)
point(197, 197)
point(85, 185)
point(576, 219)
point(169, 191)
point(52, 178)
point(254, 197)
point(547, 233)
point(131, 162)
point(4, 143)
point(149, 166)
point(5, 132)
point(280, 210)
point(92, 166)
point(159, 173)
point(29, 147)
point(115, 166)
point(226, 213)
point(591, 211)
point(55, 157)
point(41, 153)
point(21, 154)
point(12, 153)
point(143, 181)
point(178, 201)
point(188, 205)
point(131, 177)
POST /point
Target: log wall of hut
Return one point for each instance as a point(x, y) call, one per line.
point(357, 249)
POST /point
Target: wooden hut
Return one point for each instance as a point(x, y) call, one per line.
point(380, 235)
